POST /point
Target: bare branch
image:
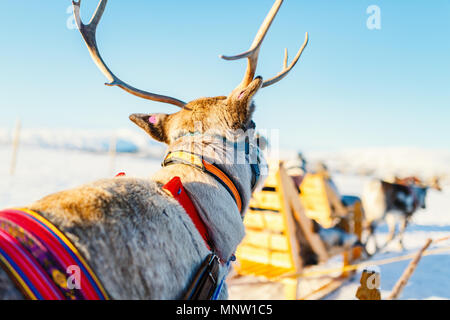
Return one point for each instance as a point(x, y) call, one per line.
point(401, 283)
point(253, 53)
point(286, 69)
point(89, 35)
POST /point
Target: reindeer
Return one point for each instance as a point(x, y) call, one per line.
point(132, 232)
point(393, 203)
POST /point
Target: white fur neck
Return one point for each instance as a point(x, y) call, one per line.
point(214, 204)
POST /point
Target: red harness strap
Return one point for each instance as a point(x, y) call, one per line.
point(176, 189)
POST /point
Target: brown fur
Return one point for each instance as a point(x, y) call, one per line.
point(139, 240)
point(86, 204)
point(218, 115)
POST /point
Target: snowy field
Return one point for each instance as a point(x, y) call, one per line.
point(46, 165)
point(431, 279)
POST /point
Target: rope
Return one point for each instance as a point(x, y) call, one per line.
point(442, 239)
point(354, 267)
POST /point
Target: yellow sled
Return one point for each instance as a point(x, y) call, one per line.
point(277, 229)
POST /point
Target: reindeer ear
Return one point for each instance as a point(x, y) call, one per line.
point(153, 124)
point(241, 100)
point(245, 95)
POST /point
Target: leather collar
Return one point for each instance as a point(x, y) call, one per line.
point(196, 161)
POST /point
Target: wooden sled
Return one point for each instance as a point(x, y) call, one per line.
point(277, 229)
point(323, 203)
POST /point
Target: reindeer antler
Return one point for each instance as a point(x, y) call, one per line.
point(253, 53)
point(89, 35)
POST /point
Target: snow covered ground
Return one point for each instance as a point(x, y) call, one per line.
point(431, 280)
point(47, 163)
point(40, 171)
point(126, 140)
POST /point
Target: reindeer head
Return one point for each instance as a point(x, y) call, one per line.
point(218, 115)
point(435, 183)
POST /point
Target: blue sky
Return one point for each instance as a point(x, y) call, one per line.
point(353, 87)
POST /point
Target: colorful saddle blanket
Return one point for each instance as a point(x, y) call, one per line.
point(42, 261)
